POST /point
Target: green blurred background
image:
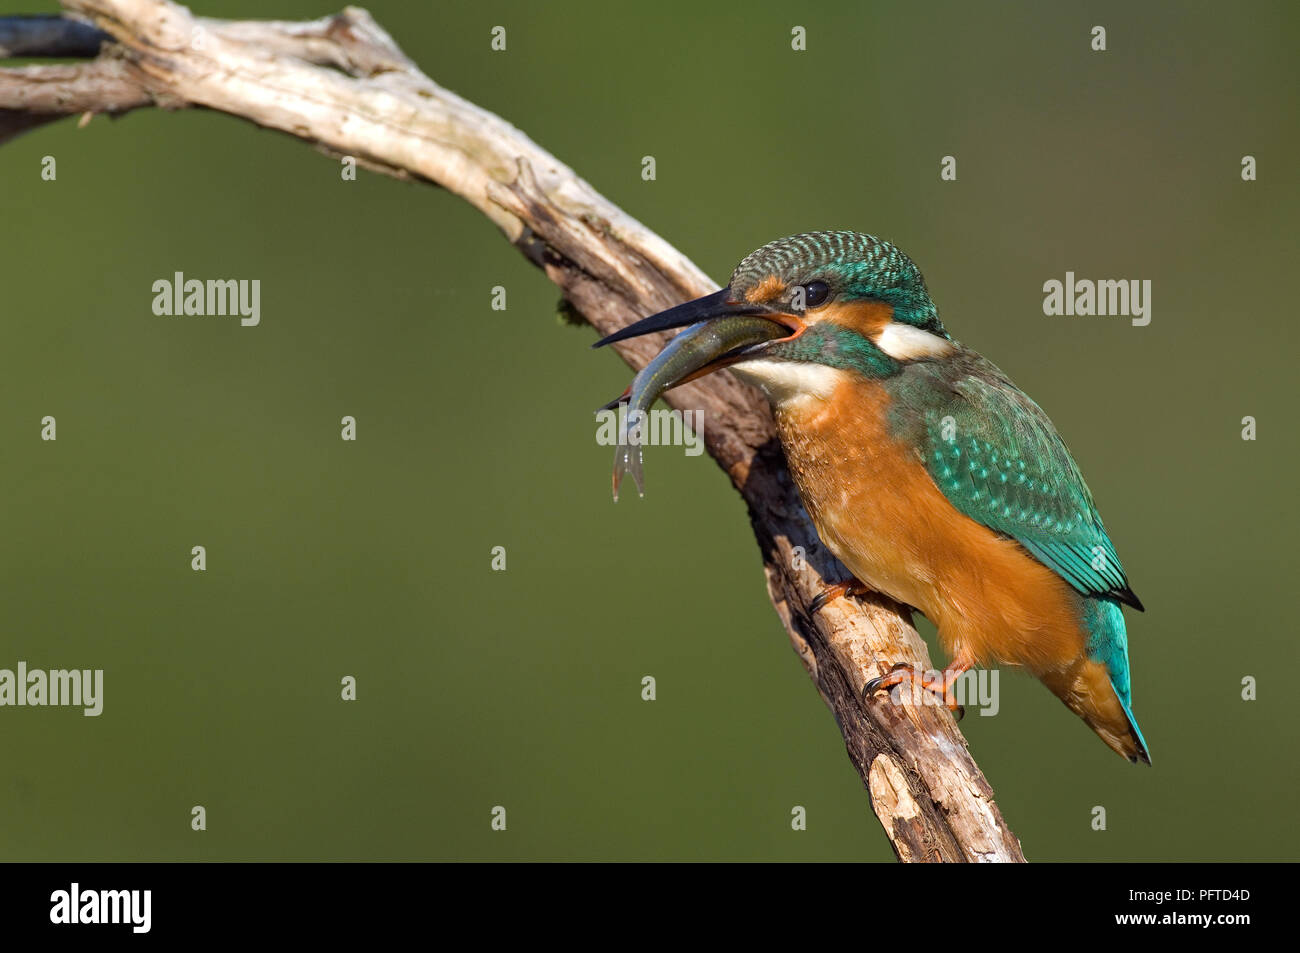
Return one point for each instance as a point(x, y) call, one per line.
point(522, 688)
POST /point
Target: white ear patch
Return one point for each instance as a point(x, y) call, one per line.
point(904, 342)
point(781, 381)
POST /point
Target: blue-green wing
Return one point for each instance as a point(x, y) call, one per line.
point(998, 459)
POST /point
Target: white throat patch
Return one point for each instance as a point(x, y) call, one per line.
point(782, 381)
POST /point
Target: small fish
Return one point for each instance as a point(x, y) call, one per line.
point(706, 344)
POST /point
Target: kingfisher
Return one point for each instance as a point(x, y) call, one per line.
point(929, 475)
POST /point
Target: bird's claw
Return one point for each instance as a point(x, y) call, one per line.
point(833, 591)
point(941, 687)
point(878, 682)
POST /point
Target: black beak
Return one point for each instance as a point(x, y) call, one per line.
point(716, 305)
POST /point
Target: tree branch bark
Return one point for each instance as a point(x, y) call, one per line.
point(341, 84)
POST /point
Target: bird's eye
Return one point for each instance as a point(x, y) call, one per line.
point(815, 293)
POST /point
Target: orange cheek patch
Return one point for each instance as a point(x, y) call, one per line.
point(868, 318)
point(767, 289)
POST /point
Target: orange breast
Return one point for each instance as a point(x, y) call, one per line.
point(875, 506)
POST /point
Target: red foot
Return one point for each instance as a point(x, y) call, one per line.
point(941, 684)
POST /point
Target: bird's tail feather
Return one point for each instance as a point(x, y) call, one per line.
point(1087, 691)
point(1139, 743)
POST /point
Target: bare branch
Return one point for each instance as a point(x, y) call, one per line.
point(342, 85)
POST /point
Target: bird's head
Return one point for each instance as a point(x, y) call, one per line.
point(846, 301)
